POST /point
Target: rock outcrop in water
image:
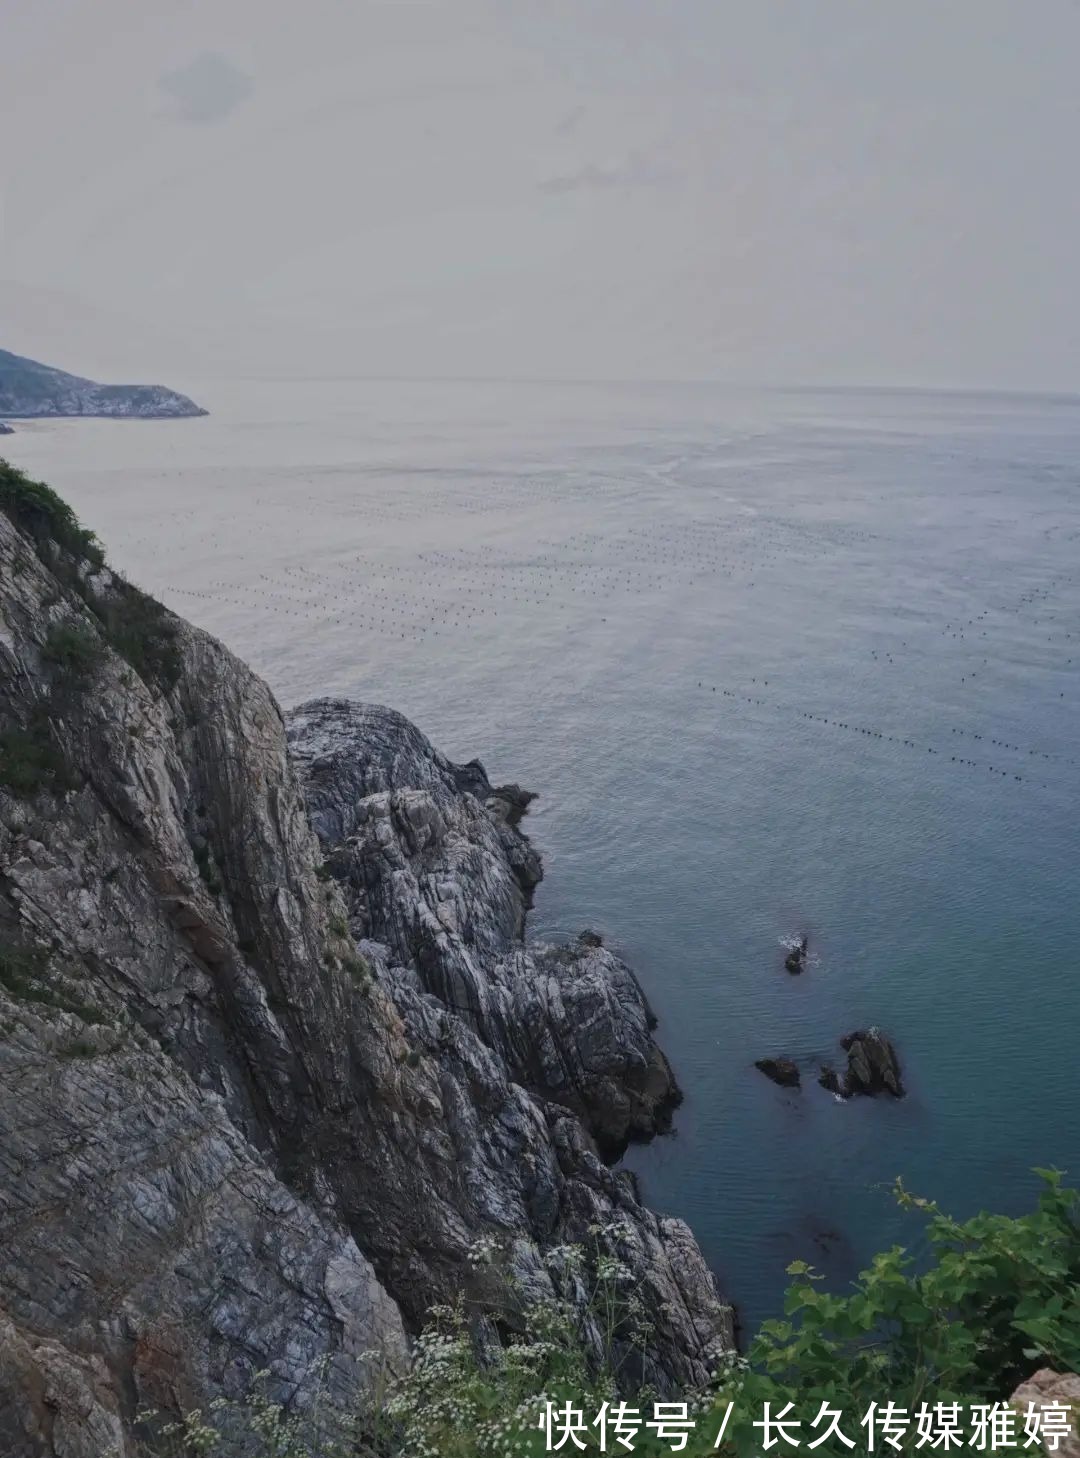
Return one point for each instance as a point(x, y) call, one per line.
point(872, 1067)
point(5, 429)
point(795, 961)
point(29, 389)
point(264, 1087)
point(784, 1071)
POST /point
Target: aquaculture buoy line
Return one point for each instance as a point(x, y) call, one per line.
point(392, 621)
point(901, 740)
point(409, 564)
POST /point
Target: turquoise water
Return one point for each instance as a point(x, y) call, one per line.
point(646, 603)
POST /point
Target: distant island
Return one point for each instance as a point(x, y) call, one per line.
point(31, 390)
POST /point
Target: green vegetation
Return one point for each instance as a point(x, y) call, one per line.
point(135, 625)
point(31, 759)
point(996, 1299)
point(74, 649)
point(21, 968)
point(78, 1048)
point(357, 967)
point(142, 631)
point(1000, 1298)
point(27, 974)
point(46, 518)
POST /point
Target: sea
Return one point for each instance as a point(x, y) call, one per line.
point(777, 663)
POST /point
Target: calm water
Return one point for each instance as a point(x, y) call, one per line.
point(633, 600)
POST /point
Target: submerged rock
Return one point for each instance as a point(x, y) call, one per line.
point(783, 1071)
point(795, 961)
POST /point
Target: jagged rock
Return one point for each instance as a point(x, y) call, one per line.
point(590, 939)
point(873, 1067)
point(830, 1079)
point(259, 1141)
point(47, 1388)
point(431, 874)
point(509, 802)
point(783, 1071)
point(1044, 1388)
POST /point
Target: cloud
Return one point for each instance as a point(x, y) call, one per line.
point(636, 171)
point(207, 89)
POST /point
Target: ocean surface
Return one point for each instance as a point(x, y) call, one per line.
point(776, 661)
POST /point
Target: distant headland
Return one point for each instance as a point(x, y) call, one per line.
point(32, 390)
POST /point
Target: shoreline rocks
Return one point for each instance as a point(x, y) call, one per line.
point(443, 882)
point(510, 802)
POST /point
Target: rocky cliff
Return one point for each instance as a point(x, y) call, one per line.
point(274, 1058)
point(30, 389)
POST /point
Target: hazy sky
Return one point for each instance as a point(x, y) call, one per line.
point(784, 190)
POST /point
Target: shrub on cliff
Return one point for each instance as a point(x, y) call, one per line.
point(45, 517)
point(73, 649)
point(997, 1298)
point(32, 759)
point(142, 631)
point(135, 624)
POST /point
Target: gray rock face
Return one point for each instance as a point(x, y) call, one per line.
point(442, 882)
point(278, 1091)
point(29, 389)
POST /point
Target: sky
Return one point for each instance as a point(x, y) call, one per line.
point(775, 191)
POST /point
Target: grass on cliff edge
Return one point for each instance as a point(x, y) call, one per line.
point(46, 517)
point(996, 1299)
point(134, 624)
